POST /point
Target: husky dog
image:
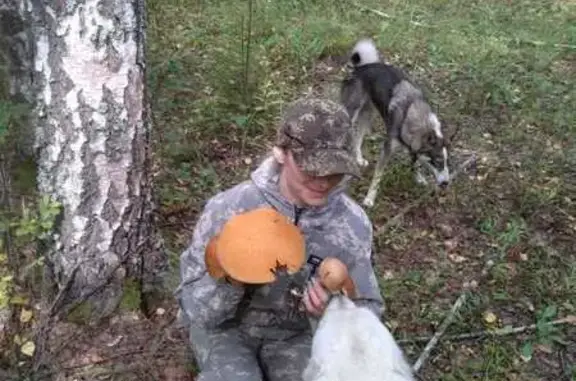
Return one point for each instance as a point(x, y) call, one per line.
point(409, 119)
point(351, 343)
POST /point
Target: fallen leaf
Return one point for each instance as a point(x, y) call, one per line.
point(28, 348)
point(526, 352)
point(450, 244)
point(25, 315)
point(481, 177)
point(456, 258)
point(489, 318)
point(471, 285)
point(388, 274)
point(91, 358)
point(446, 230)
point(391, 324)
point(528, 304)
point(19, 300)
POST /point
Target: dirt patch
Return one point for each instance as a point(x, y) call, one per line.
point(127, 347)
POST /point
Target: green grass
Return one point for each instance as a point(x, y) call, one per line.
point(501, 71)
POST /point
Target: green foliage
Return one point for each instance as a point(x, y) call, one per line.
point(20, 234)
point(545, 334)
point(10, 114)
point(5, 289)
point(6, 277)
point(81, 313)
point(130, 295)
point(501, 71)
point(37, 223)
point(33, 225)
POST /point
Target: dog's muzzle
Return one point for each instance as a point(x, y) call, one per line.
point(443, 178)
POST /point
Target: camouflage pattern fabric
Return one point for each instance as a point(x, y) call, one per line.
point(233, 326)
point(234, 355)
point(319, 134)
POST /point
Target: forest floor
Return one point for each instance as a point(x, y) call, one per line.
point(503, 72)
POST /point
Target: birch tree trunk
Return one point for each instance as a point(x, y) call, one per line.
point(92, 129)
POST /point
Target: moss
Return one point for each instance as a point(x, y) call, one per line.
point(131, 295)
point(81, 314)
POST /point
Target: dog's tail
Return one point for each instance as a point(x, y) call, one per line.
point(364, 52)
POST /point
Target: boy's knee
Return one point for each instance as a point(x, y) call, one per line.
point(228, 374)
point(286, 361)
point(288, 371)
point(224, 355)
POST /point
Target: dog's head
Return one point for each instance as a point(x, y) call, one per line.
point(434, 154)
point(430, 145)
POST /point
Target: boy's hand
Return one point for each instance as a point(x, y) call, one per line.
point(315, 298)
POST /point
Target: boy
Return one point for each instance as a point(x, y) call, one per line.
point(247, 333)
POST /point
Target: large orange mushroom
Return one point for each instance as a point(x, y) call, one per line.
point(252, 245)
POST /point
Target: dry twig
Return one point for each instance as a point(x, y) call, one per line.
point(434, 340)
point(432, 343)
point(387, 16)
point(493, 333)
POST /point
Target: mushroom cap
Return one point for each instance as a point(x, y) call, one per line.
point(252, 245)
point(333, 274)
point(212, 263)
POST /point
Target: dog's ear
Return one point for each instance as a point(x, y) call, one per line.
point(431, 141)
point(415, 143)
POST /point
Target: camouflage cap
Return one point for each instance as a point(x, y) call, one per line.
point(318, 133)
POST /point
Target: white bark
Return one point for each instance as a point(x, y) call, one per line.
point(92, 139)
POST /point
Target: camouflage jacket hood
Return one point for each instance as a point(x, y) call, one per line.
point(340, 228)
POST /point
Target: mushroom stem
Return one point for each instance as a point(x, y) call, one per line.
point(349, 288)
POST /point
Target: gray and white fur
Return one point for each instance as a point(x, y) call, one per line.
point(407, 115)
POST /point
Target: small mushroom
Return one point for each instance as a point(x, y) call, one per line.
point(252, 245)
point(334, 276)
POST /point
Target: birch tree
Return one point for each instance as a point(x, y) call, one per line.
point(92, 146)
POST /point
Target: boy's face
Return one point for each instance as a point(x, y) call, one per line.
point(304, 188)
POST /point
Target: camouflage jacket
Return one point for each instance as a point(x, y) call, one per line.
point(340, 228)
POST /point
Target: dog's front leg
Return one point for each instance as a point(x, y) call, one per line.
point(387, 149)
point(417, 169)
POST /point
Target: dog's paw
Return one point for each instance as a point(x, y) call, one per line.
point(420, 179)
point(368, 201)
